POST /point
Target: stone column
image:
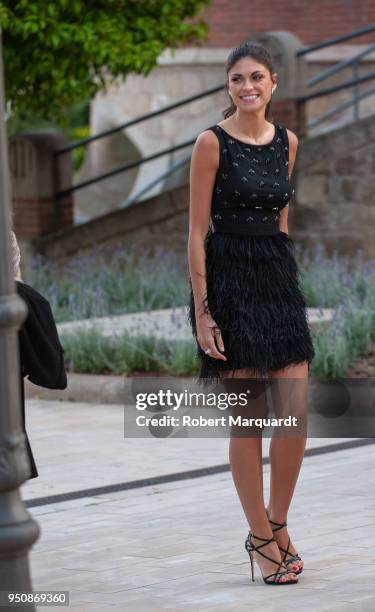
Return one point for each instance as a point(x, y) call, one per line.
point(36, 175)
point(291, 72)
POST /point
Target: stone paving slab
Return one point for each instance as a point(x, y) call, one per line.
point(179, 546)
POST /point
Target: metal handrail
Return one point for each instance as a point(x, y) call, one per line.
point(127, 124)
point(354, 83)
point(155, 181)
point(336, 39)
point(123, 168)
point(208, 92)
point(300, 100)
point(340, 66)
point(334, 88)
point(340, 107)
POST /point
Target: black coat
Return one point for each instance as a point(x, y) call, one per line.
point(41, 354)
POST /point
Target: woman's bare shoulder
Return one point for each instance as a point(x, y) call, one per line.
point(207, 138)
point(207, 148)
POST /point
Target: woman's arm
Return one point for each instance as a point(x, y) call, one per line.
point(293, 145)
point(203, 167)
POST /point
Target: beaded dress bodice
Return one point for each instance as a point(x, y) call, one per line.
point(252, 184)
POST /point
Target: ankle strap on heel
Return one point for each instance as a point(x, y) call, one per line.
point(286, 550)
point(279, 525)
point(265, 541)
point(252, 548)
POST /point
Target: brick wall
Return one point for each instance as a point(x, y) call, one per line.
point(231, 21)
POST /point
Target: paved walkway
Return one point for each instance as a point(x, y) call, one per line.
point(179, 546)
point(81, 445)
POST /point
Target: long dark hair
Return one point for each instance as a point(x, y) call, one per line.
point(257, 52)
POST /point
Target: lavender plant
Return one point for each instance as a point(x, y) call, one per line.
point(348, 286)
point(110, 281)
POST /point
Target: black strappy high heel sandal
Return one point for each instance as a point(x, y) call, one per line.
point(249, 546)
point(293, 558)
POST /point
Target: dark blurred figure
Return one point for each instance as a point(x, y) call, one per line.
point(41, 354)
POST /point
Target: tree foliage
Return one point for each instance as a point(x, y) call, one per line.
point(57, 53)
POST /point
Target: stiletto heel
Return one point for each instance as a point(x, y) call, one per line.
point(252, 564)
point(249, 546)
point(293, 558)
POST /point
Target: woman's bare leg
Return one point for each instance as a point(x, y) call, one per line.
point(245, 457)
point(286, 452)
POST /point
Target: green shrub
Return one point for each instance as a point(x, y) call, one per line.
point(90, 352)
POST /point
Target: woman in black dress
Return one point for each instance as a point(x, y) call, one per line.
point(247, 310)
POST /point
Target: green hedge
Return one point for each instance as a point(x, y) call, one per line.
point(92, 353)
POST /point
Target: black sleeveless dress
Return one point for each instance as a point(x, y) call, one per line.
point(253, 282)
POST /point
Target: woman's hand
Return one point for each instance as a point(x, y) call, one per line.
point(207, 333)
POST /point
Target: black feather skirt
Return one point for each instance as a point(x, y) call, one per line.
point(254, 296)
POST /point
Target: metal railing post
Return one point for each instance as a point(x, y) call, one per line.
point(355, 92)
point(18, 531)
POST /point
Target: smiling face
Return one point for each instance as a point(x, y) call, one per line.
point(250, 84)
